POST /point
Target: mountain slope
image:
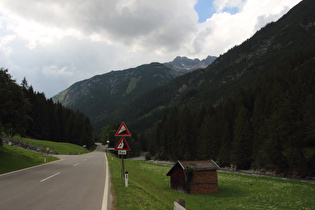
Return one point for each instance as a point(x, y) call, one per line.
point(101, 95)
point(104, 93)
point(260, 104)
point(274, 45)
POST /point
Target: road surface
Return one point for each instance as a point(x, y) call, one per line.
point(74, 182)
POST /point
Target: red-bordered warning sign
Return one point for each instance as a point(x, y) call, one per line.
point(122, 145)
point(123, 130)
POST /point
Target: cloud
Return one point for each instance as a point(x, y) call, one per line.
point(224, 30)
point(137, 23)
point(228, 4)
point(55, 43)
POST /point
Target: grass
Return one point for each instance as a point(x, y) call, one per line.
point(149, 189)
point(61, 148)
point(14, 158)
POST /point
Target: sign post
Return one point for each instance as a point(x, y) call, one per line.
point(122, 166)
point(122, 147)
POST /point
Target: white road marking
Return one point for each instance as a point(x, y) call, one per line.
point(26, 169)
point(106, 188)
point(50, 177)
point(76, 164)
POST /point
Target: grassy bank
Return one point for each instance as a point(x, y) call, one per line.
point(60, 148)
point(149, 189)
point(14, 158)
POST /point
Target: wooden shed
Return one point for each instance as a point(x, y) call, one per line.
point(203, 176)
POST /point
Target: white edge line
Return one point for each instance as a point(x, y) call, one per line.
point(76, 164)
point(50, 177)
point(106, 187)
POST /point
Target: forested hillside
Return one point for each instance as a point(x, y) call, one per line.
point(292, 36)
point(29, 113)
point(269, 124)
point(253, 107)
point(101, 95)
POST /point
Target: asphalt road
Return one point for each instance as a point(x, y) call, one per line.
point(74, 182)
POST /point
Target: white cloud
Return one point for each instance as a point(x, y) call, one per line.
point(222, 4)
point(55, 43)
point(224, 30)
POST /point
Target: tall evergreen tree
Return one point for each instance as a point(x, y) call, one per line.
point(259, 133)
point(241, 155)
point(171, 149)
point(14, 106)
point(184, 146)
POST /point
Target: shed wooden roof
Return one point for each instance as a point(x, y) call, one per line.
point(200, 165)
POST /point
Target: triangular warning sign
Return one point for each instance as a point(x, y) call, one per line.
point(123, 130)
point(122, 145)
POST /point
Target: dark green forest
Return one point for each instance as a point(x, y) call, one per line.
point(252, 108)
point(28, 113)
point(269, 125)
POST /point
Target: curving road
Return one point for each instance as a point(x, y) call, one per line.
point(74, 182)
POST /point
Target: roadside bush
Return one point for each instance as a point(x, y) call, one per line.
point(0, 134)
point(147, 156)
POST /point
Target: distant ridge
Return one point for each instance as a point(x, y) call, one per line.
point(99, 96)
point(186, 64)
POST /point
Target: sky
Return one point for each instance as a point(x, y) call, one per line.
point(55, 43)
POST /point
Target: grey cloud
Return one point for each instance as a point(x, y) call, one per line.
point(200, 39)
point(154, 22)
point(129, 33)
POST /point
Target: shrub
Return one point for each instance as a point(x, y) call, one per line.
point(0, 134)
point(147, 156)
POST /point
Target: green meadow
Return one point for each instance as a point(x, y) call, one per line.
point(149, 189)
point(61, 148)
point(15, 158)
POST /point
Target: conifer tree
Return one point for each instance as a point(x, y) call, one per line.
point(241, 155)
point(183, 144)
point(14, 106)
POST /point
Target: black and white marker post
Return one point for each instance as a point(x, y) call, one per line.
point(126, 179)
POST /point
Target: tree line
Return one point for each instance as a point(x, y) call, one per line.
point(267, 126)
point(28, 113)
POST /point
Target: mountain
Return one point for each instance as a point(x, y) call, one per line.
point(184, 64)
point(277, 44)
point(252, 108)
point(243, 65)
point(101, 95)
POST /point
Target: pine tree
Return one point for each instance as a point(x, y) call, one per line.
point(258, 130)
point(184, 140)
point(241, 155)
point(226, 142)
point(170, 135)
point(14, 107)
